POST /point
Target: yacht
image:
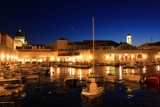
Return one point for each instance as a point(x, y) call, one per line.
point(133, 77)
point(94, 86)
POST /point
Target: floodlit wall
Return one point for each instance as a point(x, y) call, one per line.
point(7, 55)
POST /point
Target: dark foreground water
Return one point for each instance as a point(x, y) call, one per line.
point(52, 91)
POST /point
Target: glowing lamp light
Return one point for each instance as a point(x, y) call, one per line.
point(80, 57)
point(27, 60)
point(19, 60)
point(40, 60)
point(70, 59)
point(2, 56)
point(8, 56)
point(126, 54)
point(33, 59)
point(107, 57)
point(132, 56)
point(58, 59)
point(144, 56)
point(51, 58)
point(90, 56)
point(120, 56)
point(73, 60)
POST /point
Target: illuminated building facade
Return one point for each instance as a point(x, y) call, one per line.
point(106, 51)
point(8, 54)
point(19, 39)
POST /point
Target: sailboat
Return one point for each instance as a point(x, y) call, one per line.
point(94, 84)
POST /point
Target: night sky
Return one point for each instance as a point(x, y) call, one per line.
point(44, 21)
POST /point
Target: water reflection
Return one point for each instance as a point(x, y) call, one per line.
point(80, 74)
point(73, 71)
point(89, 70)
point(124, 92)
point(120, 72)
point(96, 102)
point(58, 71)
point(70, 71)
point(158, 68)
point(108, 70)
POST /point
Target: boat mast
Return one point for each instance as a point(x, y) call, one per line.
point(93, 43)
point(152, 48)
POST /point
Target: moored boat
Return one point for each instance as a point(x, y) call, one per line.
point(93, 89)
point(8, 80)
point(134, 77)
point(110, 78)
point(152, 77)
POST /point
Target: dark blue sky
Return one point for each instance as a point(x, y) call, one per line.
point(44, 21)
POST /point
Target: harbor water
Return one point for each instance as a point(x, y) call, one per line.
point(51, 90)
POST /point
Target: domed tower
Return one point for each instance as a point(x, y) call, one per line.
point(19, 39)
point(129, 39)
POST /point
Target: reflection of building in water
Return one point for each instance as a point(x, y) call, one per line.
point(89, 70)
point(73, 71)
point(58, 71)
point(144, 69)
point(70, 71)
point(80, 74)
point(108, 70)
point(120, 72)
point(158, 68)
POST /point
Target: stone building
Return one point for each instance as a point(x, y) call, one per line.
point(150, 46)
point(19, 39)
point(106, 51)
point(7, 52)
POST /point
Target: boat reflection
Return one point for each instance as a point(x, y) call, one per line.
point(152, 87)
point(132, 86)
point(96, 102)
point(71, 84)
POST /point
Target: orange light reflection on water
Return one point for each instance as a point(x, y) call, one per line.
point(120, 72)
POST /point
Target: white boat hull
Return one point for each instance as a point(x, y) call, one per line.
point(91, 95)
point(132, 77)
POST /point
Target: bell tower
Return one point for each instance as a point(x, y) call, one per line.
point(129, 39)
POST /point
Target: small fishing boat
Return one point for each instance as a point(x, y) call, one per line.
point(31, 76)
point(9, 80)
point(94, 86)
point(70, 79)
point(110, 78)
point(152, 77)
point(93, 89)
point(133, 77)
point(14, 88)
